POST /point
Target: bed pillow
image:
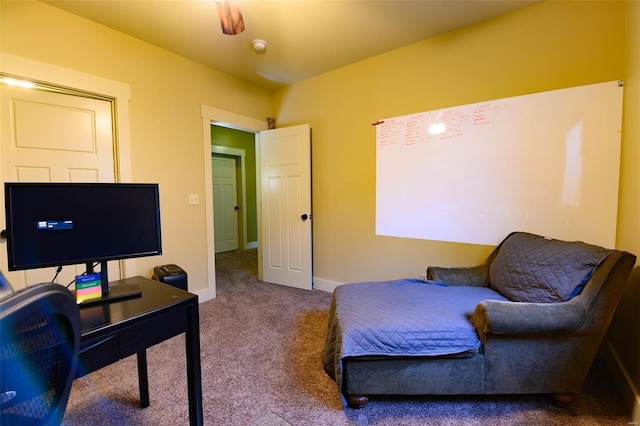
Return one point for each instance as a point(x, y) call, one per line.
point(531, 268)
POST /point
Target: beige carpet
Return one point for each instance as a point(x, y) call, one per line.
point(261, 365)
point(271, 419)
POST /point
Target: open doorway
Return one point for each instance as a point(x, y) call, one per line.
point(233, 163)
point(233, 167)
point(213, 118)
point(283, 162)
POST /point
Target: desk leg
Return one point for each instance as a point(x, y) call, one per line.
point(143, 379)
point(194, 375)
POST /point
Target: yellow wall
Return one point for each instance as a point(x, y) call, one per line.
point(624, 333)
point(543, 47)
point(167, 92)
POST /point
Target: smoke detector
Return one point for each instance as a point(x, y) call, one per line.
point(259, 45)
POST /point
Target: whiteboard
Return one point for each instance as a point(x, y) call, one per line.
point(546, 163)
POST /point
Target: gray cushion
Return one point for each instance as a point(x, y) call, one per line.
point(531, 268)
point(475, 276)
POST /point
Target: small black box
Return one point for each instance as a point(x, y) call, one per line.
point(172, 275)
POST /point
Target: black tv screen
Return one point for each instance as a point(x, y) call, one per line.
point(57, 224)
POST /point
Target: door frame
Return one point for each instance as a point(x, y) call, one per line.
point(239, 155)
point(214, 116)
point(65, 80)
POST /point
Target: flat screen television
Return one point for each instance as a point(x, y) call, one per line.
point(57, 224)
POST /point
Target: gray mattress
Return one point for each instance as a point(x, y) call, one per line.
point(401, 318)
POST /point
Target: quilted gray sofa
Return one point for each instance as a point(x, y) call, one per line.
point(528, 320)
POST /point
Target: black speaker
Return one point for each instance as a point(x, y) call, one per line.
point(172, 275)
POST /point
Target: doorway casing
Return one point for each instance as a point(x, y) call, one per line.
point(232, 120)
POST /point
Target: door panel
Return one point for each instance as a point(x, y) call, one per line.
point(285, 163)
point(225, 201)
point(53, 137)
point(274, 231)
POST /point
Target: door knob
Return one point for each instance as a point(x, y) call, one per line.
point(304, 217)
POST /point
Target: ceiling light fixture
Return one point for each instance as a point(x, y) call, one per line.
point(230, 17)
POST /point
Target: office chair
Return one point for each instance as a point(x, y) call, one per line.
point(39, 346)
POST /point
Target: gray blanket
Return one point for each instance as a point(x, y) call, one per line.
point(401, 318)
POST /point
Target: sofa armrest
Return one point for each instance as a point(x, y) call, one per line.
point(476, 276)
point(499, 317)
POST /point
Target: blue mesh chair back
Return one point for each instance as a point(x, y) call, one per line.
point(39, 346)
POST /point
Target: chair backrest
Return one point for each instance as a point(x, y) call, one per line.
point(39, 347)
point(604, 272)
point(532, 268)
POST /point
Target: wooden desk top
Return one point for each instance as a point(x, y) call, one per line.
point(155, 296)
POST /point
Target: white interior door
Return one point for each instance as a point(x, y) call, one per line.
point(285, 199)
point(53, 137)
point(225, 203)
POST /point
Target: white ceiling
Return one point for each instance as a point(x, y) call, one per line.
point(305, 38)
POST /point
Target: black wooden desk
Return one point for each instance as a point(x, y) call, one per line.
point(116, 330)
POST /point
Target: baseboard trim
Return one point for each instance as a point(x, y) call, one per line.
point(205, 294)
point(325, 285)
point(628, 391)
